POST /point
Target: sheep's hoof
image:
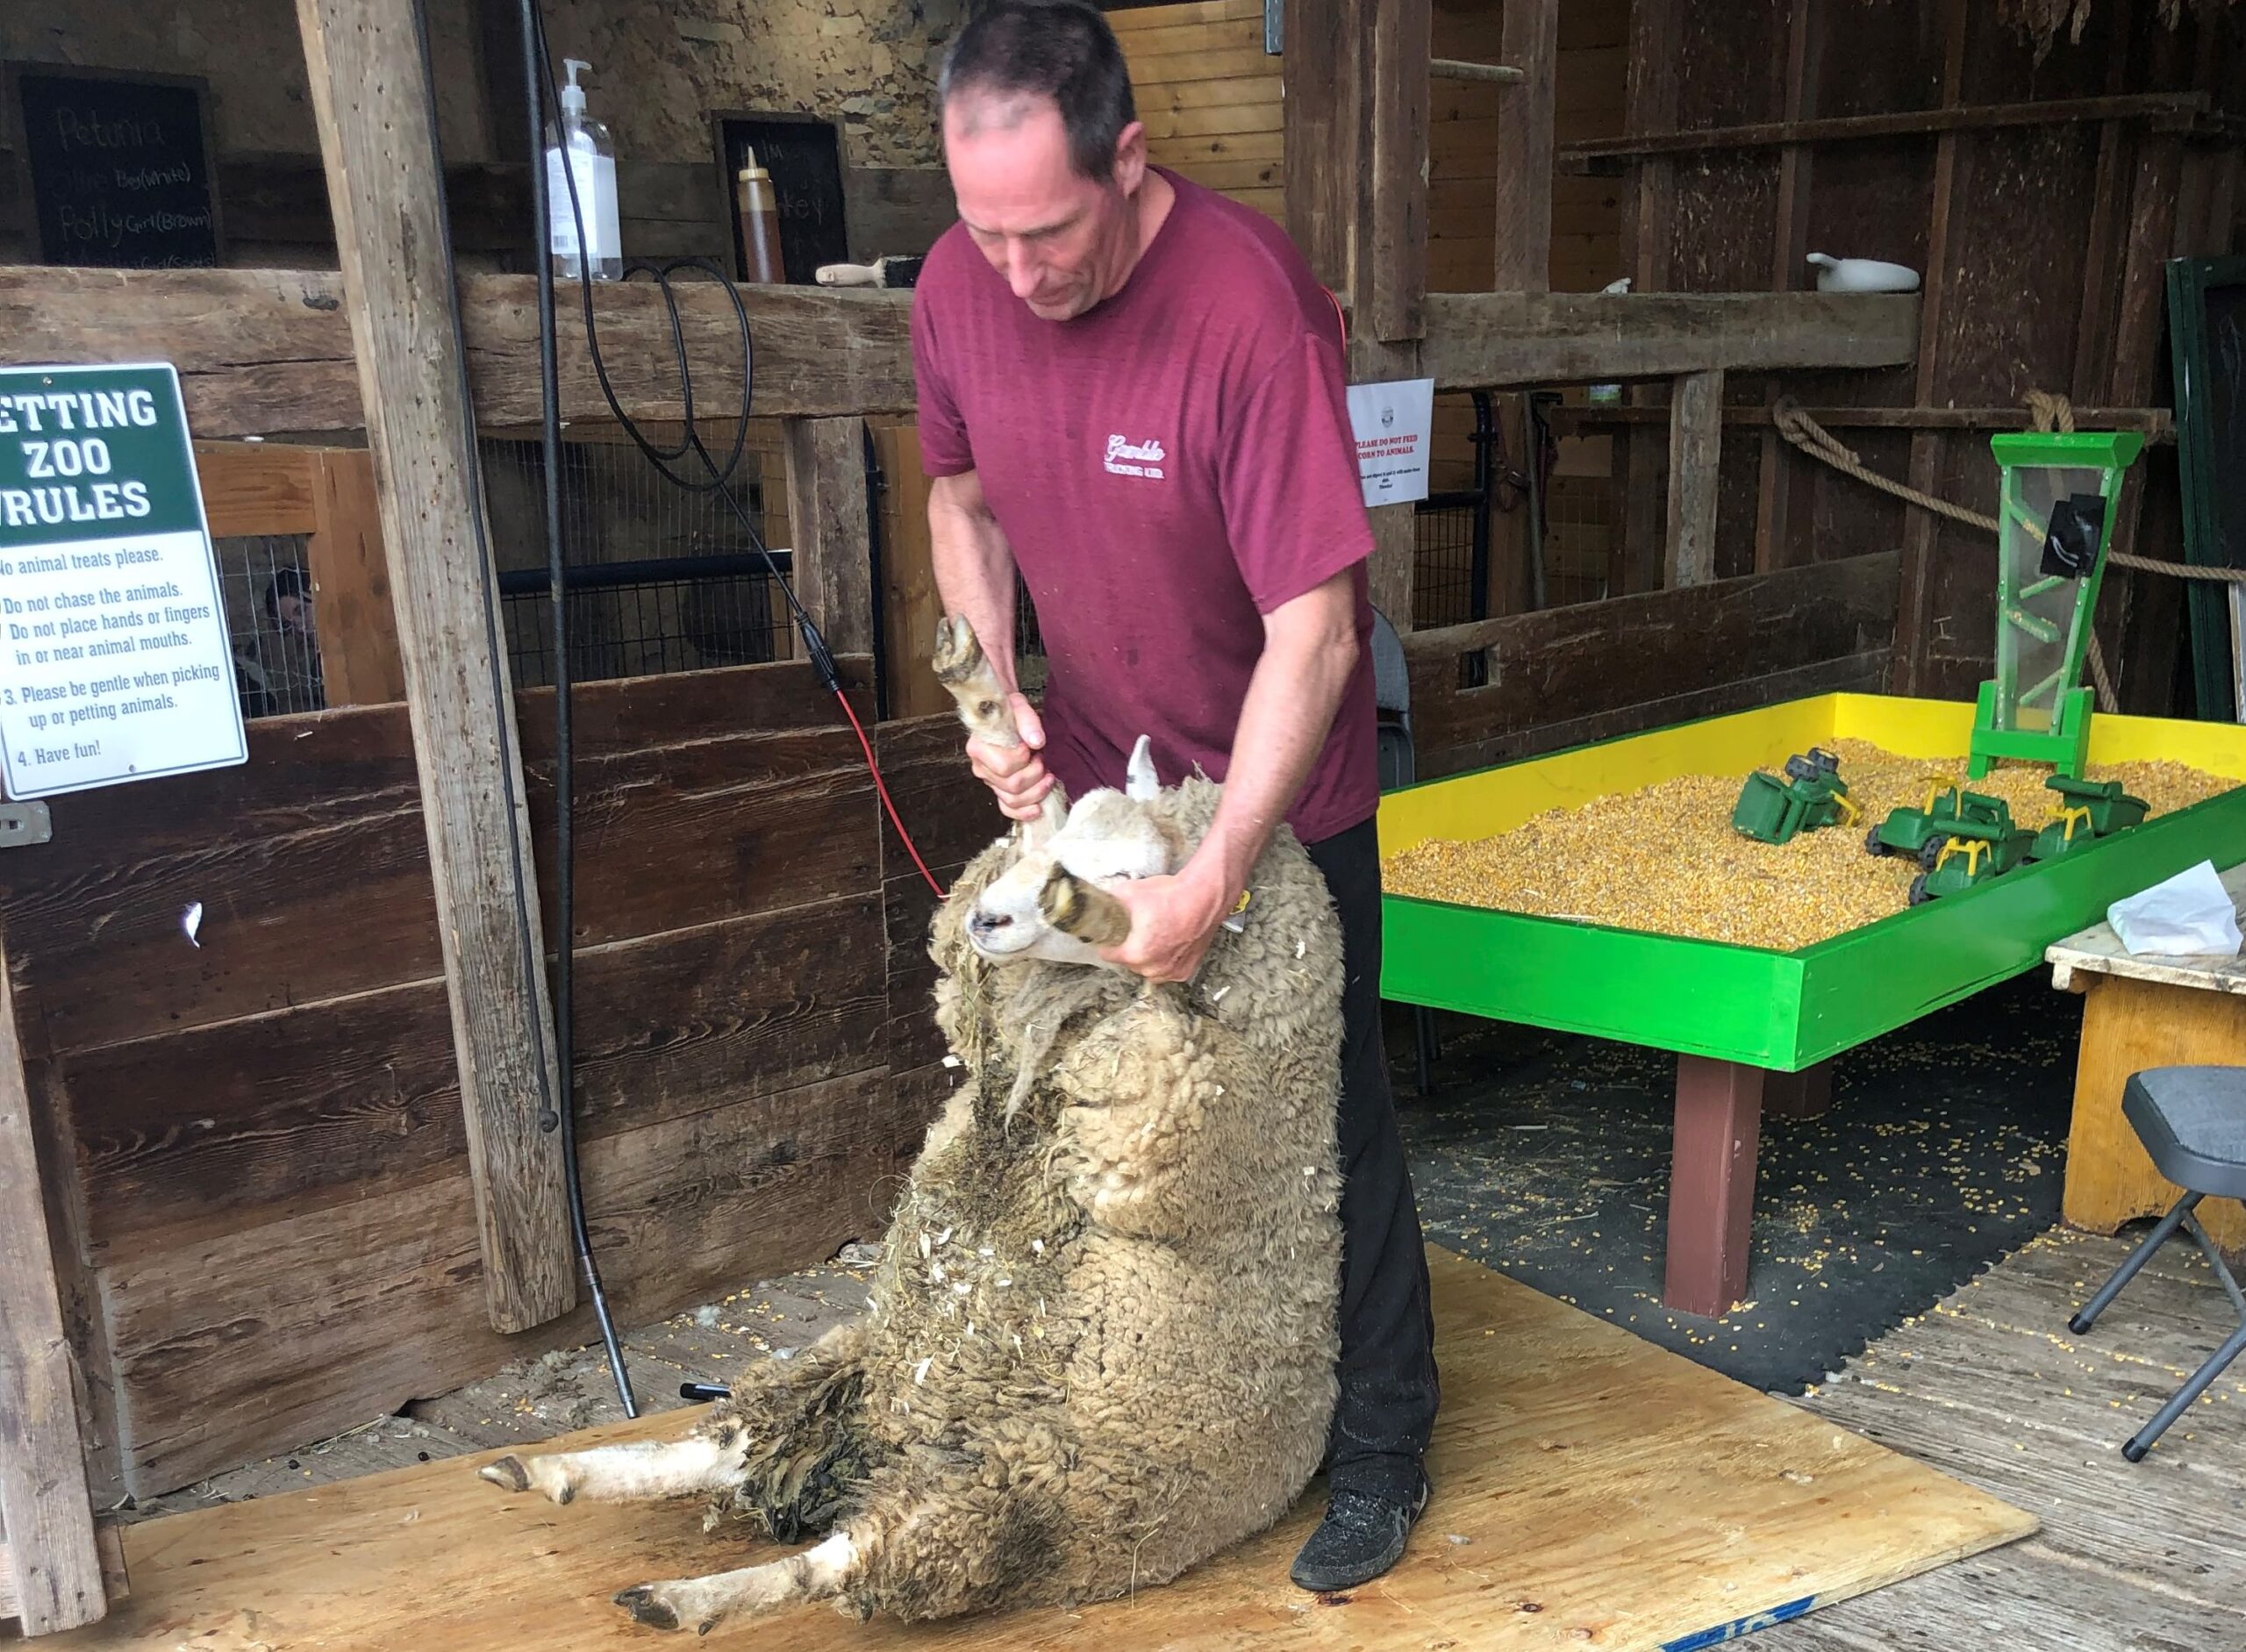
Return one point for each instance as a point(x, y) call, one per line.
point(646, 1606)
point(957, 655)
point(1085, 911)
point(507, 1472)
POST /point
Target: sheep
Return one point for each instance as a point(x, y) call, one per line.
point(1101, 1341)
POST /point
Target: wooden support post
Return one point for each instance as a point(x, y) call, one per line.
point(46, 1514)
point(1914, 616)
point(1392, 266)
point(1532, 36)
point(1650, 103)
point(1712, 1184)
point(369, 81)
point(1775, 505)
point(359, 662)
point(828, 518)
point(1807, 1094)
point(1695, 451)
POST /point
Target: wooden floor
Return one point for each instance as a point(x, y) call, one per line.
point(1991, 1387)
point(1592, 1489)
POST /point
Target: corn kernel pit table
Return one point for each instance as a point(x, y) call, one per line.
point(1757, 1028)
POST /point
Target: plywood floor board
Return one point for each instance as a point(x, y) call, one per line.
point(1592, 1489)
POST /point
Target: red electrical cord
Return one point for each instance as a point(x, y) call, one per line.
point(873, 769)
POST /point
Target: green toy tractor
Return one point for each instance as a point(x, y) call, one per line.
point(1920, 833)
point(2087, 810)
point(1975, 851)
point(1812, 795)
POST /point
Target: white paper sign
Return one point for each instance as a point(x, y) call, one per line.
point(1394, 425)
point(114, 662)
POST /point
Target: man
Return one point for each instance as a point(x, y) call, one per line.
point(1131, 389)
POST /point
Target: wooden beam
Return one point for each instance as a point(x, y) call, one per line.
point(45, 1512)
point(2158, 424)
point(1531, 39)
point(1695, 450)
point(1914, 618)
point(256, 487)
point(1394, 273)
point(370, 96)
point(359, 660)
point(1451, 68)
point(1776, 507)
point(1649, 247)
point(2172, 108)
point(832, 539)
point(268, 352)
point(1322, 117)
point(1515, 340)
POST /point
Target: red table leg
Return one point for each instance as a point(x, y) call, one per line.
point(1803, 1095)
point(1711, 1184)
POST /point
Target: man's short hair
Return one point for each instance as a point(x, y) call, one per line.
point(1060, 49)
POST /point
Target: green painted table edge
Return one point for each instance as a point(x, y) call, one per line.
point(1782, 1011)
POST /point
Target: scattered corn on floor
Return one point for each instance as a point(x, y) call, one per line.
point(1667, 859)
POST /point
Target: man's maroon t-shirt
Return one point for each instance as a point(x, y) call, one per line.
point(1168, 467)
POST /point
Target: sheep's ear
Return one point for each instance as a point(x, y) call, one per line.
point(1139, 783)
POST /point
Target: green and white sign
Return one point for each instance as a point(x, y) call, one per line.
point(114, 664)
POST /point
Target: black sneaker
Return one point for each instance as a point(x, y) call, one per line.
point(1361, 1537)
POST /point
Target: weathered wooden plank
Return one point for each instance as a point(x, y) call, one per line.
point(45, 1513)
point(359, 661)
point(1596, 657)
point(1864, 673)
point(1395, 277)
point(1323, 118)
point(911, 603)
point(257, 487)
point(2177, 110)
point(1515, 340)
point(240, 1343)
point(370, 96)
point(1695, 451)
point(355, 1098)
point(829, 517)
point(1525, 133)
point(268, 352)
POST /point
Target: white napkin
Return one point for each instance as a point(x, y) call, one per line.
point(2190, 915)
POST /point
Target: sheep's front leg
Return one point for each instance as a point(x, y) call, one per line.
point(641, 1470)
point(701, 1604)
point(779, 1407)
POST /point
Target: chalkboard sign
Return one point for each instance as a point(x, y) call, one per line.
point(115, 167)
point(2206, 330)
point(804, 154)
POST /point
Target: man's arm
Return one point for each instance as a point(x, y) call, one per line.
point(1310, 648)
point(975, 578)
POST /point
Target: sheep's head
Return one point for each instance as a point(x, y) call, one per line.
point(1052, 903)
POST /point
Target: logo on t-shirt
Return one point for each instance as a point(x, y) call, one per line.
point(1127, 458)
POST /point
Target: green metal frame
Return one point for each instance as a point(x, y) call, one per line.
point(1997, 733)
point(2196, 362)
point(1783, 1010)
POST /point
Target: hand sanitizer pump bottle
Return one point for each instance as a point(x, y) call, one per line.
point(592, 163)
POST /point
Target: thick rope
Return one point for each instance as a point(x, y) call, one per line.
point(2046, 410)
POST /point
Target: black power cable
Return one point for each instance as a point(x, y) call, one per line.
point(542, 95)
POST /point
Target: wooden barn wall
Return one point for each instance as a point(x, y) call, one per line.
point(254, 1139)
point(1209, 96)
point(2039, 244)
point(1464, 167)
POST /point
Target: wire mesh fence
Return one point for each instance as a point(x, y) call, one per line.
point(1444, 590)
point(660, 579)
point(271, 629)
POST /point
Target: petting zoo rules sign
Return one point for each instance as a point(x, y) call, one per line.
point(114, 656)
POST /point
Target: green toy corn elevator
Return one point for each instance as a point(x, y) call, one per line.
point(2055, 519)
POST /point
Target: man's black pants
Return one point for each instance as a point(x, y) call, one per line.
point(1389, 1388)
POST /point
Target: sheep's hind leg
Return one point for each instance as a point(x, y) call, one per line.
point(702, 1603)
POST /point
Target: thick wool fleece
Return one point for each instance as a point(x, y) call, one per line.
point(1101, 1340)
